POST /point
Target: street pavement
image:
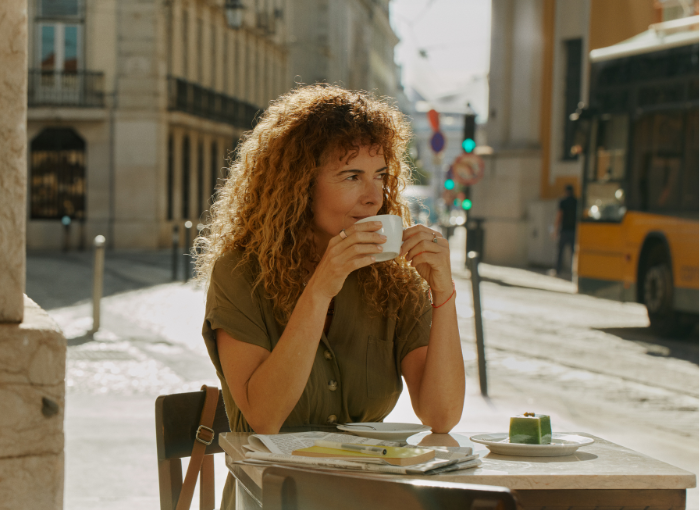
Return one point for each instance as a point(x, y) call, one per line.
point(591, 364)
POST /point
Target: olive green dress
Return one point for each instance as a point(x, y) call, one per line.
point(356, 374)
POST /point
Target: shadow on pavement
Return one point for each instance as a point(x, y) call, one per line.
point(684, 349)
point(57, 279)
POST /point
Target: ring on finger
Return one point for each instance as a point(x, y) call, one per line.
point(435, 237)
point(343, 235)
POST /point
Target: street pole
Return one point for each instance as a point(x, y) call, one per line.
point(97, 281)
point(473, 258)
point(188, 242)
point(176, 249)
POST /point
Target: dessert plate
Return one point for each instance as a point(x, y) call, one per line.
point(385, 431)
point(562, 444)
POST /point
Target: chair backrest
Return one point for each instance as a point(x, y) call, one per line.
point(177, 420)
point(298, 489)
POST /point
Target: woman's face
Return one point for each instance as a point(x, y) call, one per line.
point(347, 191)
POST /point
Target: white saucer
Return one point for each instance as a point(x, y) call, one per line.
point(385, 431)
point(562, 444)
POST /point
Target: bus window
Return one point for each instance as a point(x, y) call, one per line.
point(691, 183)
point(605, 192)
point(665, 163)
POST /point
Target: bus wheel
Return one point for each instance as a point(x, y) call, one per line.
point(658, 296)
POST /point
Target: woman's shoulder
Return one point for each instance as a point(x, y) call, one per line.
point(232, 265)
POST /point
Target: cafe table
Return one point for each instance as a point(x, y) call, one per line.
point(600, 475)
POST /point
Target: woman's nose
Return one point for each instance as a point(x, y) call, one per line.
point(372, 193)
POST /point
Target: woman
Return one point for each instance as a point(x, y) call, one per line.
point(302, 325)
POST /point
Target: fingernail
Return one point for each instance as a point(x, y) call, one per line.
point(373, 258)
point(377, 223)
point(383, 237)
point(380, 248)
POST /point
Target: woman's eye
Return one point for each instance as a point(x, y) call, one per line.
point(382, 176)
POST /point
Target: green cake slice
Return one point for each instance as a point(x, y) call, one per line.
point(530, 428)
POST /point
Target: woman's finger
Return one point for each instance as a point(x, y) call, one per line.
point(422, 247)
point(416, 239)
point(417, 229)
point(364, 233)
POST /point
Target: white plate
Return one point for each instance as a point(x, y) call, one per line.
point(562, 444)
point(385, 431)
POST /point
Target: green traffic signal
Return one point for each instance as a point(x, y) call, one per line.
point(468, 145)
point(449, 184)
point(466, 204)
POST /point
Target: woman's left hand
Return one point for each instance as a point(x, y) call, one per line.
point(430, 258)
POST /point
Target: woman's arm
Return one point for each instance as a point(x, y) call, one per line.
point(435, 374)
point(267, 385)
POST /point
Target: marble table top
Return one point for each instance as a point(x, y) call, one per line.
point(601, 465)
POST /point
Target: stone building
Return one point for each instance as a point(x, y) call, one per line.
point(538, 74)
point(345, 42)
point(134, 106)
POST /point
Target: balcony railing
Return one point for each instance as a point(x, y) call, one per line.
point(197, 100)
point(59, 88)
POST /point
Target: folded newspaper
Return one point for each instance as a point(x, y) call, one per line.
point(277, 449)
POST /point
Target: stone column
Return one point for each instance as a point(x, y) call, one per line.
point(13, 160)
point(32, 348)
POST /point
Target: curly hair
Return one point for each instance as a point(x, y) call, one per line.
point(264, 207)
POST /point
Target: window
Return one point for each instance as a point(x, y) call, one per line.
point(605, 191)
point(572, 92)
point(171, 176)
point(59, 47)
point(57, 175)
point(214, 167)
point(665, 163)
point(200, 178)
point(186, 177)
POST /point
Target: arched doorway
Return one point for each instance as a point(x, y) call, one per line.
point(57, 182)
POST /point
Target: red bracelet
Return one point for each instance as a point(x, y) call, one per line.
point(430, 294)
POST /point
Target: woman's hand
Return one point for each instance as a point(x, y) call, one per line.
point(343, 256)
point(431, 259)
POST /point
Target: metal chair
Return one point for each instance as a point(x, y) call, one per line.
point(177, 420)
point(286, 488)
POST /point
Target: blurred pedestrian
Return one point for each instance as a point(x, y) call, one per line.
point(565, 226)
point(304, 326)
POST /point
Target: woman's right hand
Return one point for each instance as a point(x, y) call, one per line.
point(343, 256)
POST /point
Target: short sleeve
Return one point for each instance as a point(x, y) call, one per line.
point(413, 327)
point(233, 305)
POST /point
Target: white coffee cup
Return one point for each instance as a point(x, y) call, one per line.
point(392, 228)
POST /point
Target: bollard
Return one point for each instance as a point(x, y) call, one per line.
point(66, 221)
point(176, 249)
point(188, 257)
point(97, 281)
point(473, 258)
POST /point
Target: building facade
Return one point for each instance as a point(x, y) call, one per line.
point(539, 73)
point(134, 108)
point(345, 42)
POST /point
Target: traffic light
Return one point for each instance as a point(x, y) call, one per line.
point(469, 138)
point(449, 180)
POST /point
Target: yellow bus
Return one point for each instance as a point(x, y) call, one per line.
point(637, 238)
